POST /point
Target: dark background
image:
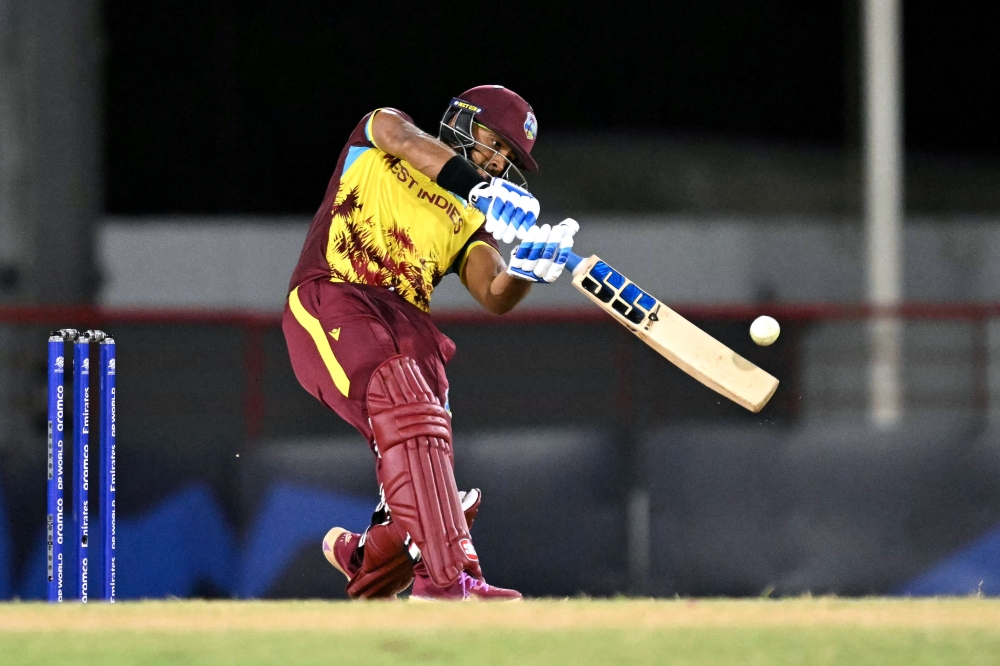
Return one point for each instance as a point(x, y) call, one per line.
point(237, 107)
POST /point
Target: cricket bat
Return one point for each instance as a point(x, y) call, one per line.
point(675, 338)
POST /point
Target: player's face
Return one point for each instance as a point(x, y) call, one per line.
point(491, 153)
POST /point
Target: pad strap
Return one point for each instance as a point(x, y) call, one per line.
point(413, 440)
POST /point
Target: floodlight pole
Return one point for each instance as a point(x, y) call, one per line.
point(883, 147)
point(51, 188)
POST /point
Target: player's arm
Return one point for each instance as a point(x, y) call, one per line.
point(394, 135)
point(486, 278)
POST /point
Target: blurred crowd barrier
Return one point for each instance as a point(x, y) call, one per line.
point(604, 468)
point(245, 262)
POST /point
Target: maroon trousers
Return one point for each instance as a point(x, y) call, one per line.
point(339, 333)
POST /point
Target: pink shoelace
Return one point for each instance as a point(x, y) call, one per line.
point(471, 583)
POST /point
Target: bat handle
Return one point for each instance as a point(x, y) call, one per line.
point(573, 261)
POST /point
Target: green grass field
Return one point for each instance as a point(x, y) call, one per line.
point(717, 632)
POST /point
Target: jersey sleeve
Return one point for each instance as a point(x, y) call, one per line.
point(361, 137)
point(479, 237)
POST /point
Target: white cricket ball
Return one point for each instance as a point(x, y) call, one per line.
point(764, 330)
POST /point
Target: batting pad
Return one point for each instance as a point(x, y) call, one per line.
point(386, 568)
point(413, 440)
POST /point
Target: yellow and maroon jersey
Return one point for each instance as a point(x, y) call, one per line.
point(385, 224)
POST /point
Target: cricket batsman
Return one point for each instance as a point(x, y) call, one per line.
point(402, 210)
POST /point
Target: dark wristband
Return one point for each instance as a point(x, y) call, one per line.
point(458, 176)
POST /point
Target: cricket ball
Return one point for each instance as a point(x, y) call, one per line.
point(764, 330)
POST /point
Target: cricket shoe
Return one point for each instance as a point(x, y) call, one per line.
point(340, 547)
point(466, 588)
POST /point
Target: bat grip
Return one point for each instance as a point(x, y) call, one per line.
point(573, 261)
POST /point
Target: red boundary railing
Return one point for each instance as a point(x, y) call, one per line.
point(85, 315)
point(255, 324)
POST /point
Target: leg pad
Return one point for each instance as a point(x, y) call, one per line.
point(413, 441)
point(386, 569)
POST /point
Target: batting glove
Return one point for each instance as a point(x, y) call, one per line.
point(542, 255)
point(510, 210)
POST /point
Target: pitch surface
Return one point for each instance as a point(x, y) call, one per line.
point(798, 631)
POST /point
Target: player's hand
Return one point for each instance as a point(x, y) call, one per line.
point(541, 257)
point(510, 210)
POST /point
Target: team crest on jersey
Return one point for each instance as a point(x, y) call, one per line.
point(530, 126)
